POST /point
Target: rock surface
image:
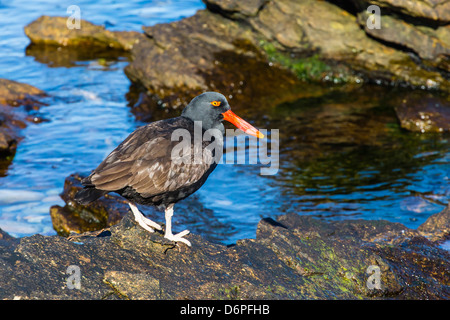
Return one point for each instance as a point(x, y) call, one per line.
point(54, 31)
point(293, 258)
point(201, 52)
point(424, 112)
point(437, 11)
point(269, 47)
point(74, 217)
point(12, 119)
point(259, 52)
point(425, 41)
point(437, 227)
point(14, 93)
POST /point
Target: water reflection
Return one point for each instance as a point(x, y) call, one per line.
point(345, 154)
point(342, 155)
point(69, 57)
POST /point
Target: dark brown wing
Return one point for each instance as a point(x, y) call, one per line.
point(144, 162)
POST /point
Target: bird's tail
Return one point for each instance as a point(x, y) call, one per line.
point(88, 194)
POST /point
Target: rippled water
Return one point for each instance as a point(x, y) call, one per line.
point(87, 112)
point(341, 155)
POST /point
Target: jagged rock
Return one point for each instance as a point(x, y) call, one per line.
point(74, 217)
point(14, 94)
point(295, 257)
point(424, 112)
point(236, 9)
point(335, 35)
point(197, 53)
point(437, 227)
point(4, 235)
point(265, 46)
point(54, 31)
point(283, 32)
point(427, 42)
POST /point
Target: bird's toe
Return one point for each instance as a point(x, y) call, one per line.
point(151, 223)
point(179, 237)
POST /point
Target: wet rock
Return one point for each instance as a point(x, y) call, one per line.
point(9, 133)
point(424, 112)
point(14, 94)
point(74, 217)
point(71, 56)
point(54, 31)
point(212, 52)
point(437, 11)
point(294, 257)
point(289, 34)
point(241, 48)
point(348, 44)
point(236, 9)
point(428, 43)
point(437, 226)
point(195, 54)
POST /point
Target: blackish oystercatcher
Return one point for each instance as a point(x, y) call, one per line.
point(145, 170)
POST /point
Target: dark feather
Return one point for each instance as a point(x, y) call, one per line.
point(143, 164)
point(87, 195)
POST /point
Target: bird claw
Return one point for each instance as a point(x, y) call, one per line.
point(179, 237)
point(145, 226)
point(144, 222)
point(151, 223)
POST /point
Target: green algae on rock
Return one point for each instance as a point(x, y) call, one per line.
point(75, 218)
point(314, 40)
point(295, 257)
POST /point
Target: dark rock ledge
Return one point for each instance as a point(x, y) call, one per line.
point(262, 52)
point(231, 41)
point(295, 257)
point(19, 103)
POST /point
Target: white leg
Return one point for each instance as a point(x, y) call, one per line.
point(144, 222)
point(168, 234)
point(151, 223)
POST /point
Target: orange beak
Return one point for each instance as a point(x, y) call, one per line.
point(242, 124)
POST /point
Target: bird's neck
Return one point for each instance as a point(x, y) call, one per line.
point(207, 124)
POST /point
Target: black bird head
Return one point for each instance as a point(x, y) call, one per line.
point(211, 108)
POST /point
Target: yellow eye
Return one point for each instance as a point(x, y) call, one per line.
point(215, 103)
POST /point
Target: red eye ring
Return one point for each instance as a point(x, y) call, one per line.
point(216, 103)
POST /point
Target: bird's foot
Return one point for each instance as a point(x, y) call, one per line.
point(145, 225)
point(144, 222)
point(151, 223)
point(178, 237)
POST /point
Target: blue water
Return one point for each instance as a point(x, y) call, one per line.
point(88, 115)
point(87, 112)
